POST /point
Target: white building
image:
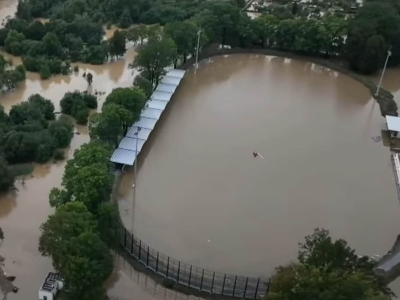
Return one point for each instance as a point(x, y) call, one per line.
point(53, 283)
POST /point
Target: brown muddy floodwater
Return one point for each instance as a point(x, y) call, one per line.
point(24, 210)
point(202, 198)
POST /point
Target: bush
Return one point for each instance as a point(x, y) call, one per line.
point(54, 66)
point(77, 104)
point(62, 132)
point(59, 155)
point(66, 67)
point(45, 72)
point(82, 116)
point(76, 68)
point(90, 101)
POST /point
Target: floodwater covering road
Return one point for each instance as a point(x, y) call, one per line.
point(202, 198)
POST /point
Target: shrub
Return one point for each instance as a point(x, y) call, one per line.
point(44, 72)
point(82, 116)
point(59, 155)
point(76, 68)
point(90, 101)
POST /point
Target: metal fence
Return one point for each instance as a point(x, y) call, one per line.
point(197, 278)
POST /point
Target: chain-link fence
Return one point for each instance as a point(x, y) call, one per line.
point(191, 276)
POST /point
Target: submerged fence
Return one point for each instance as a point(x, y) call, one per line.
point(197, 278)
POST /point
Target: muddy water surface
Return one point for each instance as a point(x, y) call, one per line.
point(202, 197)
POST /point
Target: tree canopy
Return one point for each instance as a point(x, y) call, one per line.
point(70, 236)
point(30, 133)
point(154, 57)
point(327, 270)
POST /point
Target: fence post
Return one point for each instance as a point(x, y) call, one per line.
point(202, 277)
point(179, 269)
point(245, 287)
point(157, 263)
point(125, 238)
point(212, 283)
point(140, 249)
point(166, 274)
point(268, 286)
point(234, 287)
point(223, 285)
point(258, 283)
point(147, 260)
point(190, 274)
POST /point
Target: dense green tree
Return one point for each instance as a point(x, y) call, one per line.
point(125, 20)
point(117, 44)
point(327, 270)
point(184, 34)
point(22, 147)
point(144, 84)
point(108, 216)
point(77, 104)
point(375, 27)
point(13, 42)
point(320, 251)
point(36, 31)
point(265, 29)
point(45, 106)
point(68, 222)
point(7, 179)
point(24, 10)
point(310, 283)
point(95, 154)
point(24, 112)
point(137, 33)
point(89, 265)
point(219, 19)
point(286, 33)
point(52, 45)
point(132, 99)
point(112, 123)
point(154, 57)
point(62, 131)
point(44, 72)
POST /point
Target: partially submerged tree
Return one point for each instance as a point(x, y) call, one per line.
point(154, 57)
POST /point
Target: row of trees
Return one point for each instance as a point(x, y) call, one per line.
point(50, 48)
point(76, 31)
point(327, 270)
point(78, 235)
point(31, 133)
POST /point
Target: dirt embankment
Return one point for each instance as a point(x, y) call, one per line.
point(385, 99)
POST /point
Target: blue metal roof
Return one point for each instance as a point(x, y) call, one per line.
point(135, 139)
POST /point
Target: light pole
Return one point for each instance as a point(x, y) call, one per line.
point(197, 50)
point(389, 53)
point(136, 134)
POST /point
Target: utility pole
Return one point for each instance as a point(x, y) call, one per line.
point(389, 53)
point(197, 50)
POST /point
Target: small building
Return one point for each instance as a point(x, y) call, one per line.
point(393, 125)
point(53, 283)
